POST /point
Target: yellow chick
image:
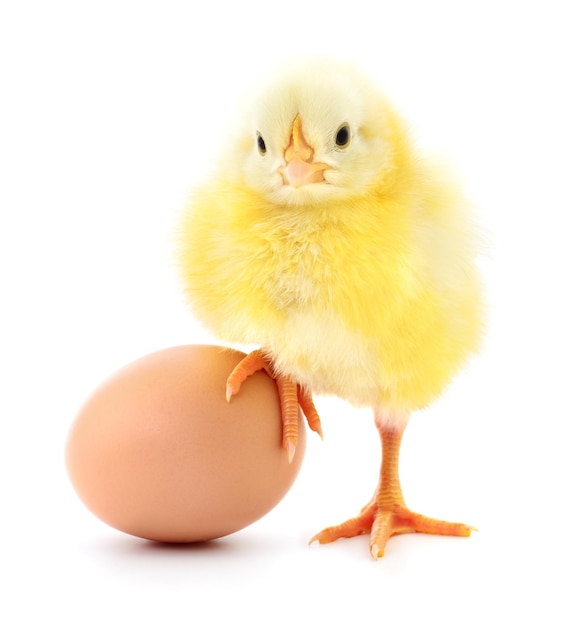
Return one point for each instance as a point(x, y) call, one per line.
point(328, 241)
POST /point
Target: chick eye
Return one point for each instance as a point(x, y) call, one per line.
point(343, 136)
point(261, 144)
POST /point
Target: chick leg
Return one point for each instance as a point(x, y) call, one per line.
point(291, 396)
point(387, 514)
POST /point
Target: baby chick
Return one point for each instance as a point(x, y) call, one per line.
point(328, 241)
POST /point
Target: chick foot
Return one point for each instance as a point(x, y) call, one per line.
point(291, 396)
point(387, 514)
point(382, 522)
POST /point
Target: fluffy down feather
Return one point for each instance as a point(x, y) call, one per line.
point(363, 286)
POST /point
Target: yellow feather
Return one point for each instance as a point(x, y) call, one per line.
point(366, 288)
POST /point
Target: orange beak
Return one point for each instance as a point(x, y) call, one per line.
point(300, 168)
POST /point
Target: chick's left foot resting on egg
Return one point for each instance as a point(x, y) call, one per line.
point(387, 514)
point(291, 396)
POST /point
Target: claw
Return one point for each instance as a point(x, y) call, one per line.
point(291, 449)
point(376, 552)
point(228, 393)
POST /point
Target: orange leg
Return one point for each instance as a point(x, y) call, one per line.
point(387, 514)
point(291, 396)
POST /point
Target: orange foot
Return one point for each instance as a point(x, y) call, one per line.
point(382, 522)
point(291, 396)
point(387, 514)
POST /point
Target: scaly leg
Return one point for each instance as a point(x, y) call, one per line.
point(291, 396)
point(387, 514)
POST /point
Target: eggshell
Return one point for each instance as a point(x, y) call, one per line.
point(157, 452)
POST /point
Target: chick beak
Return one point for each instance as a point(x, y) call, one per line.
point(300, 168)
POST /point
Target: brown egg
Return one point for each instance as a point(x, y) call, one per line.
point(157, 452)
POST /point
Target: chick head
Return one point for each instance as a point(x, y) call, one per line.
point(317, 132)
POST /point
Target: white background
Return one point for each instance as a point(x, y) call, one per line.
point(110, 112)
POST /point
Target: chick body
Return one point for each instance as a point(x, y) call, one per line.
point(365, 290)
